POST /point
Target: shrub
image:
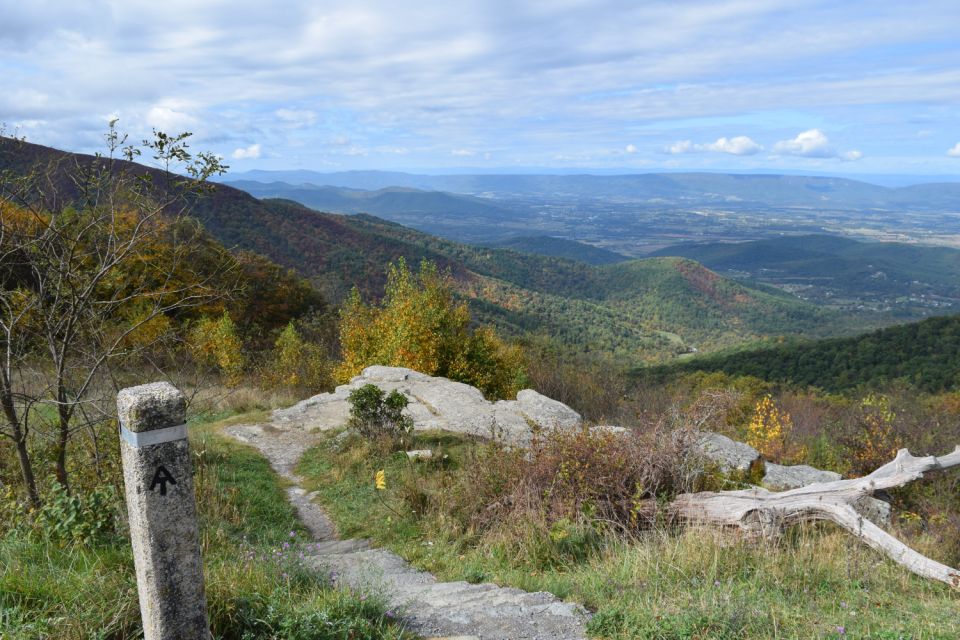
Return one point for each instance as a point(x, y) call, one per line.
point(375, 415)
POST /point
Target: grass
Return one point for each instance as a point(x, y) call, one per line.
point(817, 582)
point(257, 587)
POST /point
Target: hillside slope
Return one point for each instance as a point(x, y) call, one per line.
point(913, 280)
point(639, 310)
point(925, 355)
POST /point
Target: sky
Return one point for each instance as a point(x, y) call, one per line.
point(838, 86)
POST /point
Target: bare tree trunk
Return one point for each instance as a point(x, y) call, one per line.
point(19, 437)
point(758, 512)
point(63, 438)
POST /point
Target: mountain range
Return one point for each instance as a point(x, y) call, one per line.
point(771, 190)
point(640, 310)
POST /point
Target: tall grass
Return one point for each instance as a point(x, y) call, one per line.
point(656, 582)
point(257, 585)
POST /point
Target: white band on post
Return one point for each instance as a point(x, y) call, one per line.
point(156, 436)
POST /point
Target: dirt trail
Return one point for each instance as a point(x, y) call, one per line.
point(429, 607)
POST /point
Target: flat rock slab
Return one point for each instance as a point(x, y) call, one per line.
point(438, 403)
point(428, 607)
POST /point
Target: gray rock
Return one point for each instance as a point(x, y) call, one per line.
point(420, 454)
point(436, 403)
point(547, 412)
point(379, 373)
point(729, 454)
point(780, 478)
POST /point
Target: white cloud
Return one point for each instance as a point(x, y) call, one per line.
point(462, 153)
point(249, 153)
point(630, 148)
point(812, 143)
point(954, 152)
point(683, 146)
point(464, 71)
point(170, 116)
point(738, 146)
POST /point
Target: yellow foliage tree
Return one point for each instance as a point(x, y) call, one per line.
point(877, 441)
point(214, 342)
point(420, 325)
point(297, 363)
point(769, 430)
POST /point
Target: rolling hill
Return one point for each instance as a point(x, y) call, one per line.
point(924, 355)
point(641, 310)
point(458, 217)
point(909, 279)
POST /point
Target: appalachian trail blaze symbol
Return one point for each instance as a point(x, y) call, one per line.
point(162, 477)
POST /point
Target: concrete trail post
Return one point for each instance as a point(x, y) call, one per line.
point(162, 511)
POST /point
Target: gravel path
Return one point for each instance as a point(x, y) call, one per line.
point(429, 607)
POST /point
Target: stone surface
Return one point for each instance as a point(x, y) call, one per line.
point(779, 477)
point(161, 508)
point(151, 406)
point(729, 454)
point(428, 607)
point(437, 403)
point(547, 412)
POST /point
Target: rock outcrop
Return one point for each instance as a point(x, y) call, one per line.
point(438, 403)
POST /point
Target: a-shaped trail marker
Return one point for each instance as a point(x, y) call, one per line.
point(162, 511)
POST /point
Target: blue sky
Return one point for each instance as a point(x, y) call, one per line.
point(814, 86)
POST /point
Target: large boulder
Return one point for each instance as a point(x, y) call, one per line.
point(545, 411)
point(779, 477)
point(438, 403)
point(726, 453)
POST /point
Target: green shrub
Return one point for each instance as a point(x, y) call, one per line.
point(374, 414)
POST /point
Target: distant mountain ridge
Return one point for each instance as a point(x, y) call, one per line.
point(437, 212)
point(687, 188)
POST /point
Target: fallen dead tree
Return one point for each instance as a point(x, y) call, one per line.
point(761, 513)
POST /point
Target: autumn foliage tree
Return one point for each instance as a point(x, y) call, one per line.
point(419, 324)
point(98, 264)
point(297, 363)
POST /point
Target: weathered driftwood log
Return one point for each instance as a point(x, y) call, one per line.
point(761, 512)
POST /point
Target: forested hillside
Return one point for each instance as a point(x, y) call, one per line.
point(924, 355)
point(909, 279)
point(639, 310)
